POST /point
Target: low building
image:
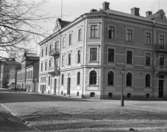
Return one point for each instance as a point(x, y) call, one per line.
point(8, 69)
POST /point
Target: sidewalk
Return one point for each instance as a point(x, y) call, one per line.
point(10, 123)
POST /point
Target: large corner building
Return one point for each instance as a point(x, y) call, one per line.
point(103, 51)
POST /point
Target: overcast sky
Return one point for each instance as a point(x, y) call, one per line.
point(74, 8)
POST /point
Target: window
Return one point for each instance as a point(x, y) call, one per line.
point(162, 40)
point(63, 60)
point(45, 66)
point(56, 45)
point(46, 50)
point(93, 31)
point(79, 35)
point(129, 57)
point(110, 78)
point(49, 80)
point(129, 34)
point(161, 60)
point(50, 63)
point(42, 52)
point(70, 39)
point(92, 78)
point(41, 66)
point(148, 59)
point(63, 42)
point(147, 80)
point(148, 37)
point(50, 47)
point(111, 32)
point(78, 78)
point(69, 59)
point(93, 54)
point(110, 55)
point(62, 79)
point(79, 56)
point(129, 80)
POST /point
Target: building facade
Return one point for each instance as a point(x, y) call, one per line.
point(27, 76)
point(8, 69)
point(104, 51)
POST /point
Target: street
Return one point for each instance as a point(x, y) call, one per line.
point(62, 114)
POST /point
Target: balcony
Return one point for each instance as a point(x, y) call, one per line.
point(161, 70)
point(54, 52)
point(54, 72)
point(160, 48)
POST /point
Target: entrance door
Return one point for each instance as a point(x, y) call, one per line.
point(161, 88)
point(55, 85)
point(68, 85)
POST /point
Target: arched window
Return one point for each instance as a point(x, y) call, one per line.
point(92, 78)
point(129, 80)
point(110, 78)
point(147, 80)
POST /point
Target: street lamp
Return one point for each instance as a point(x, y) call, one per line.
point(122, 89)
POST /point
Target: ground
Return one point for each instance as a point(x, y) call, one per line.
point(61, 114)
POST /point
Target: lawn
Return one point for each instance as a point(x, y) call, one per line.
point(93, 116)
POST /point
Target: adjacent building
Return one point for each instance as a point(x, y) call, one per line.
point(103, 51)
point(27, 76)
point(8, 69)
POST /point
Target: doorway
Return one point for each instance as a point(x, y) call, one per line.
point(161, 88)
point(68, 85)
point(55, 86)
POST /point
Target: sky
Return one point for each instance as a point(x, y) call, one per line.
point(72, 9)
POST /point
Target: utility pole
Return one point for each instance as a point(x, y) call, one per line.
point(61, 9)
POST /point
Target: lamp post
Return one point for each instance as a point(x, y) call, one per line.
point(122, 89)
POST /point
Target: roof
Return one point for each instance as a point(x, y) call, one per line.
point(94, 12)
point(63, 23)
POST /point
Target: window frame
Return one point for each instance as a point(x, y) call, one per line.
point(78, 78)
point(129, 34)
point(112, 34)
point(92, 77)
point(129, 84)
point(92, 55)
point(111, 81)
point(113, 60)
point(127, 58)
point(94, 31)
point(147, 81)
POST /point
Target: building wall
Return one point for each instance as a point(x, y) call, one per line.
point(138, 46)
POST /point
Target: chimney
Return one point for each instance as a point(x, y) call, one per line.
point(106, 5)
point(148, 13)
point(135, 11)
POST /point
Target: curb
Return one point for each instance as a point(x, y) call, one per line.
point(26, 123)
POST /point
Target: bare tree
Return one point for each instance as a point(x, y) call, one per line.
point(17, 23)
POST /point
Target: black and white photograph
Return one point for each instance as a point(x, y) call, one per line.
point(83, 65)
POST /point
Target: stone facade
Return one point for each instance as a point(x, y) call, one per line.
point(28, 75)
point(103, 51)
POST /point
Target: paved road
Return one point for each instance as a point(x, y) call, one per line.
point(8, 122)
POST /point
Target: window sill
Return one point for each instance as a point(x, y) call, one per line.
point(93, 85)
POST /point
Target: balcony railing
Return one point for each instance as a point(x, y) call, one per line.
point(161, 70)
point(54, 52)
point(54, 72)
point(160, 48)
